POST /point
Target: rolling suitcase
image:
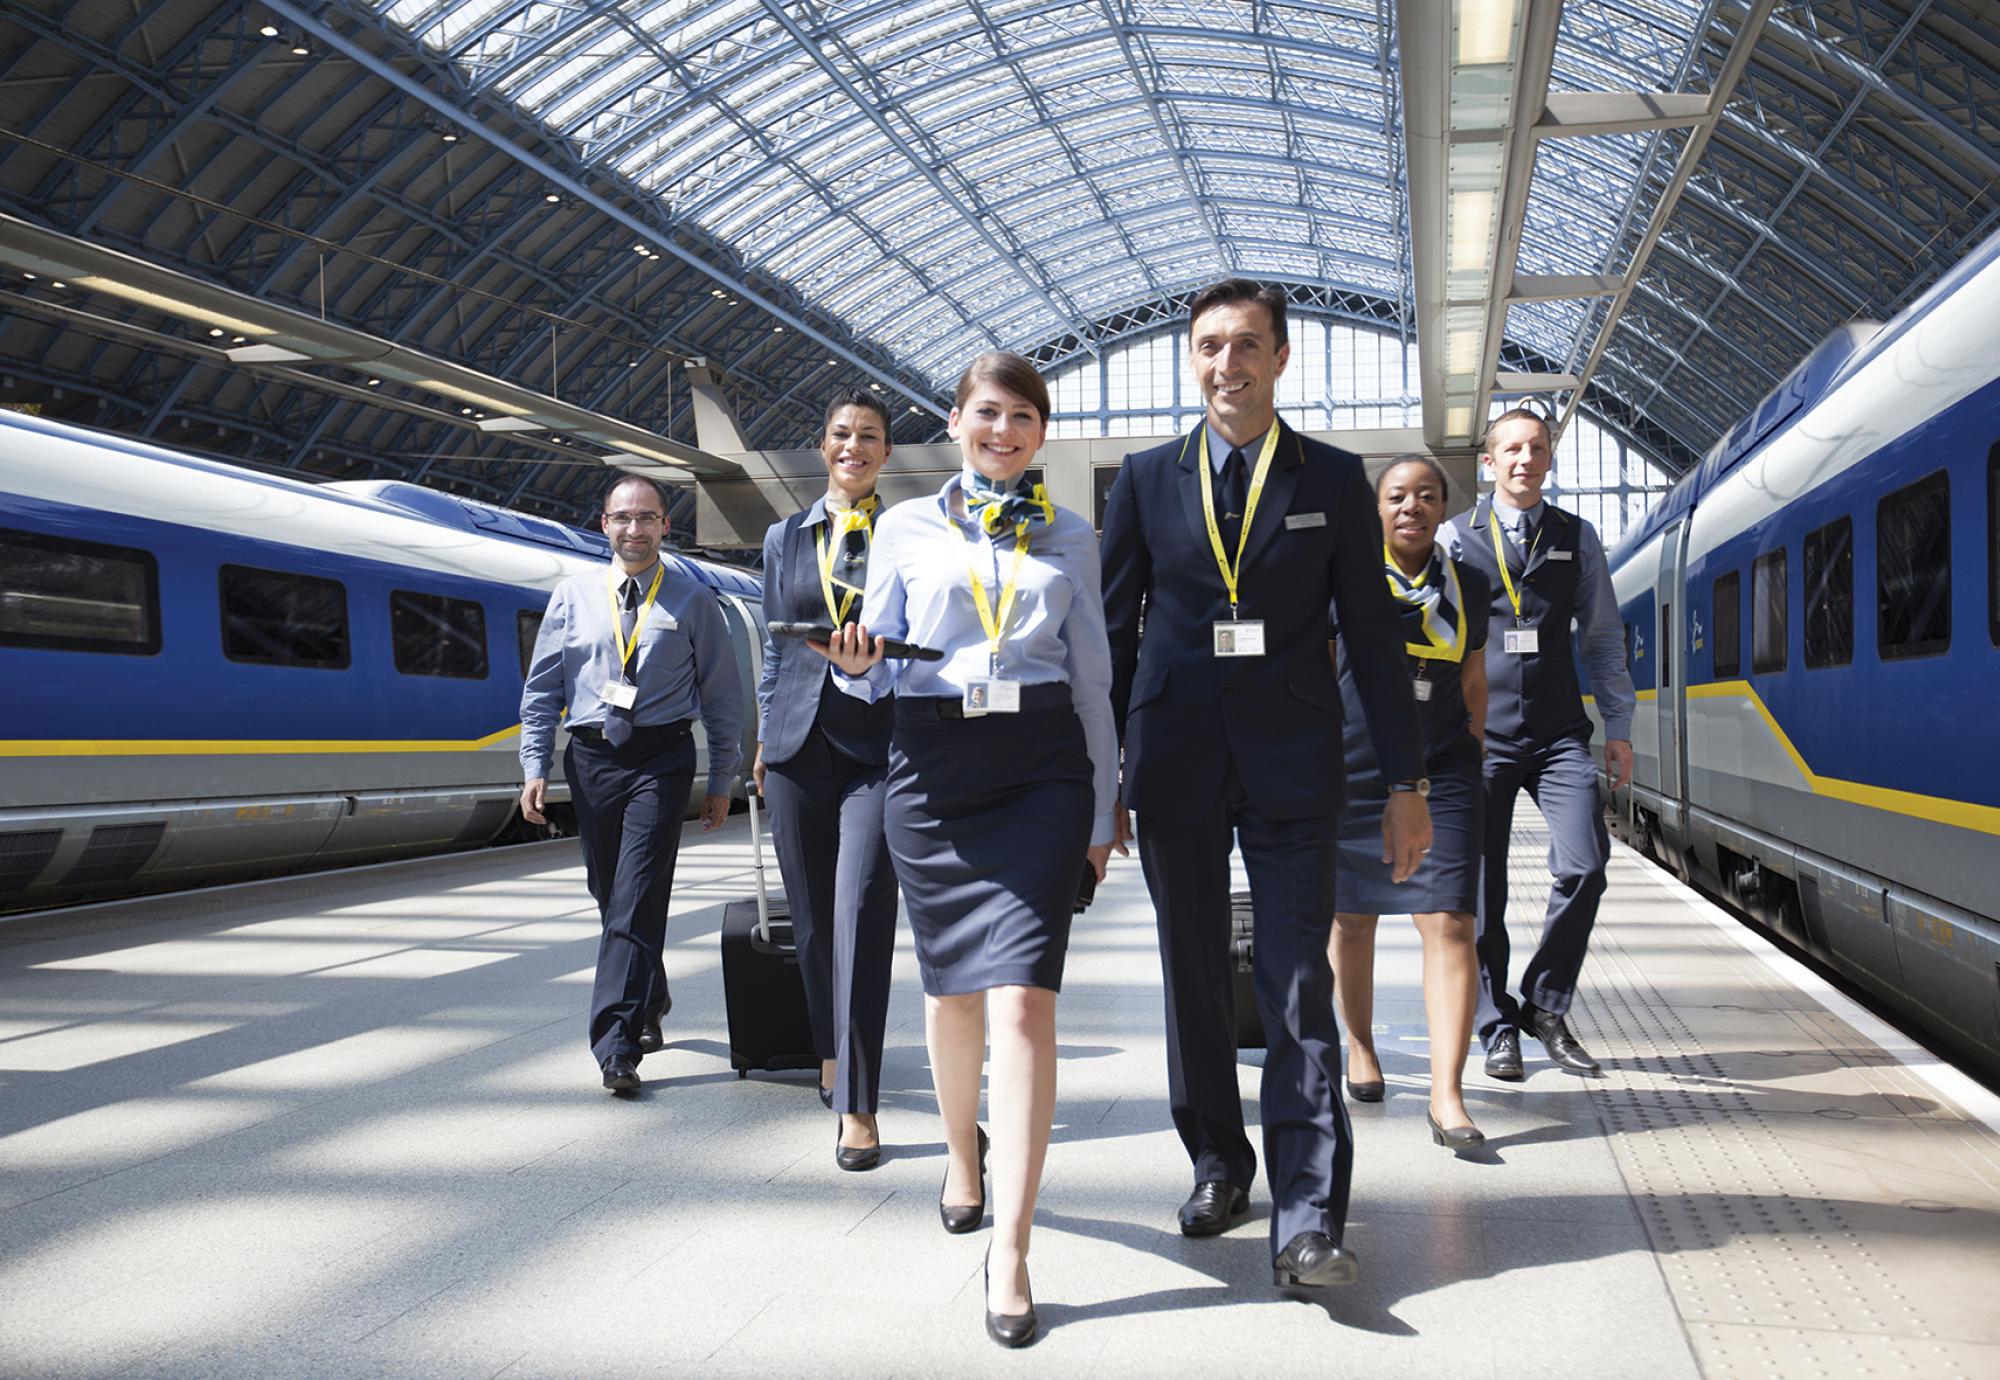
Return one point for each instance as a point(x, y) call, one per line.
point(761, 986)
point(1242, 942)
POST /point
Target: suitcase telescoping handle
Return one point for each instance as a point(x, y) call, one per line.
point(757, 861)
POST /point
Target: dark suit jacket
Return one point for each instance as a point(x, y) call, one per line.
point(1184, 713)
point(796, 688)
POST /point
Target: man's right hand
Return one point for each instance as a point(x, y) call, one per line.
point(532, 799)
point(757, 769)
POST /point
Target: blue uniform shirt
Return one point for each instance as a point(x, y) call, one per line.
point(919, 590)
point(1600, 629)
point(683, 667)
point(775, 647)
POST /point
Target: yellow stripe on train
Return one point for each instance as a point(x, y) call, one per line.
point(241, 747)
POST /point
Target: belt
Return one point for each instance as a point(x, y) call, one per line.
point(645, 733)
point(1048, 695)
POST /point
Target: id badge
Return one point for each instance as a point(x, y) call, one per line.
point(1521, 641)
point(619, 695)
point(1244, 637)
point(991, 695)
point(1421, 688)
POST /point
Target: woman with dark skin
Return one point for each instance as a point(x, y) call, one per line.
point(1443, 603)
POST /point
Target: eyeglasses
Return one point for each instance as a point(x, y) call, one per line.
point(635, 519)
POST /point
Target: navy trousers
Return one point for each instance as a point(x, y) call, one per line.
point(826, 823)
point(629, 803)
point(1562, 780)
point(1308, 1144)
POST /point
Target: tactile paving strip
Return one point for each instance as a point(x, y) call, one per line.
point(1768, 1272)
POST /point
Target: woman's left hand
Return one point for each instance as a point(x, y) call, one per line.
point(1099, 855)
point(852, 650)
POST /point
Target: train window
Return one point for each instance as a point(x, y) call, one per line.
point(1913, 569)
point(1728, 632)
point(1769, 626)
point(77, 596)
point(1829, 555)
point(528, 625)
point(437, 636)
point(276, 618)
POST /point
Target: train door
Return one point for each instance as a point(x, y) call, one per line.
point(1669, 702)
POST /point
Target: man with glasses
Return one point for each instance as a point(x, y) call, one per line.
point(634, 654)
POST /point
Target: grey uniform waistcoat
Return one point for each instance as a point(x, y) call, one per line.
point(1530, 698)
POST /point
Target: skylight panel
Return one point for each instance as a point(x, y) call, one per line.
point(615, 76)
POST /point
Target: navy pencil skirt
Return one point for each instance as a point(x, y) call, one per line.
point(1448, 879)
point(988, 821)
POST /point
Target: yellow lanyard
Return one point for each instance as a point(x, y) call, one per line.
point(864, 511)
point(1500, 555)
point(625, 649)
point(995, 625)
point(1433, 650)
point(1232, 572)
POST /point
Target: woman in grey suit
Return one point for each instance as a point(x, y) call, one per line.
point(821, 765)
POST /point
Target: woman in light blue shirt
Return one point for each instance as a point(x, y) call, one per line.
point(1002, 784)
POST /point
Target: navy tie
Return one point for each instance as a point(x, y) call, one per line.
point(1232, 495)
point(618, 722)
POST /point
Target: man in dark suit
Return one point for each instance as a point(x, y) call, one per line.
point(1233, 544)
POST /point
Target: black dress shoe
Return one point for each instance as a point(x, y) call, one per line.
point(619, 1074)
point(1211, 1207)
point(1455, 1138)
point(1554, 1033)
point(1503, 1060)
point(1008, 1329)
point(960, 1220)
point(1371, 1091)
point(826, 1097)
point(1312, 1261)
point(851, 1159)
point(650, 1039)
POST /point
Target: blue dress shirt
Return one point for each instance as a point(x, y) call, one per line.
point(919, 591)
point(683, 667)
point(1600, 628)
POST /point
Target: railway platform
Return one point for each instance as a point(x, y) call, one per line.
point(346, 1124)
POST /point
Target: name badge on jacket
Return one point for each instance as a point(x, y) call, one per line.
point(1294, 521)
point(1561, 555)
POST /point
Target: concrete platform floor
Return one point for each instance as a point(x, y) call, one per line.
point(347, 1125)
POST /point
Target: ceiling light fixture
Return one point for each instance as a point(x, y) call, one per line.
point(300, 50)
point(1486, 31)
point(269, 31)
point(552, 198)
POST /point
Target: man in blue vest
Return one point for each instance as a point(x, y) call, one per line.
point(1231, 545)
point(1546, 567)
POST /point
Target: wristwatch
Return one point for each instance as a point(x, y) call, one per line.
point(1422, 786)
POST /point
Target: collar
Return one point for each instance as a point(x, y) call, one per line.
point(644, 577)
point(1219, 446)
point(1508, 512)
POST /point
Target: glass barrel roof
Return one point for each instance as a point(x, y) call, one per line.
point(946, 176)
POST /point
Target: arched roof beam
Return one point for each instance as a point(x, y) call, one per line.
point(966, 200)
point(663, 239)
point(1731, 281)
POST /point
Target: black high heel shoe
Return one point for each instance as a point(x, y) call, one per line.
point(1455, 1138)
point(855, 1159)
point(960, 1220)
point(1008, 1329)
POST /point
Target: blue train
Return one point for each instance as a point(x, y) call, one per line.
point(1813, 624)
point(214, 673)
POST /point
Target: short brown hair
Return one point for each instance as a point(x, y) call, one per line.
point(857, 397)
point(625, 477)
point(1517, 414)
point(1004, 369)
point(1232, 290)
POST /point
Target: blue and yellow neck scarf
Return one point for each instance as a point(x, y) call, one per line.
point(998, 507)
